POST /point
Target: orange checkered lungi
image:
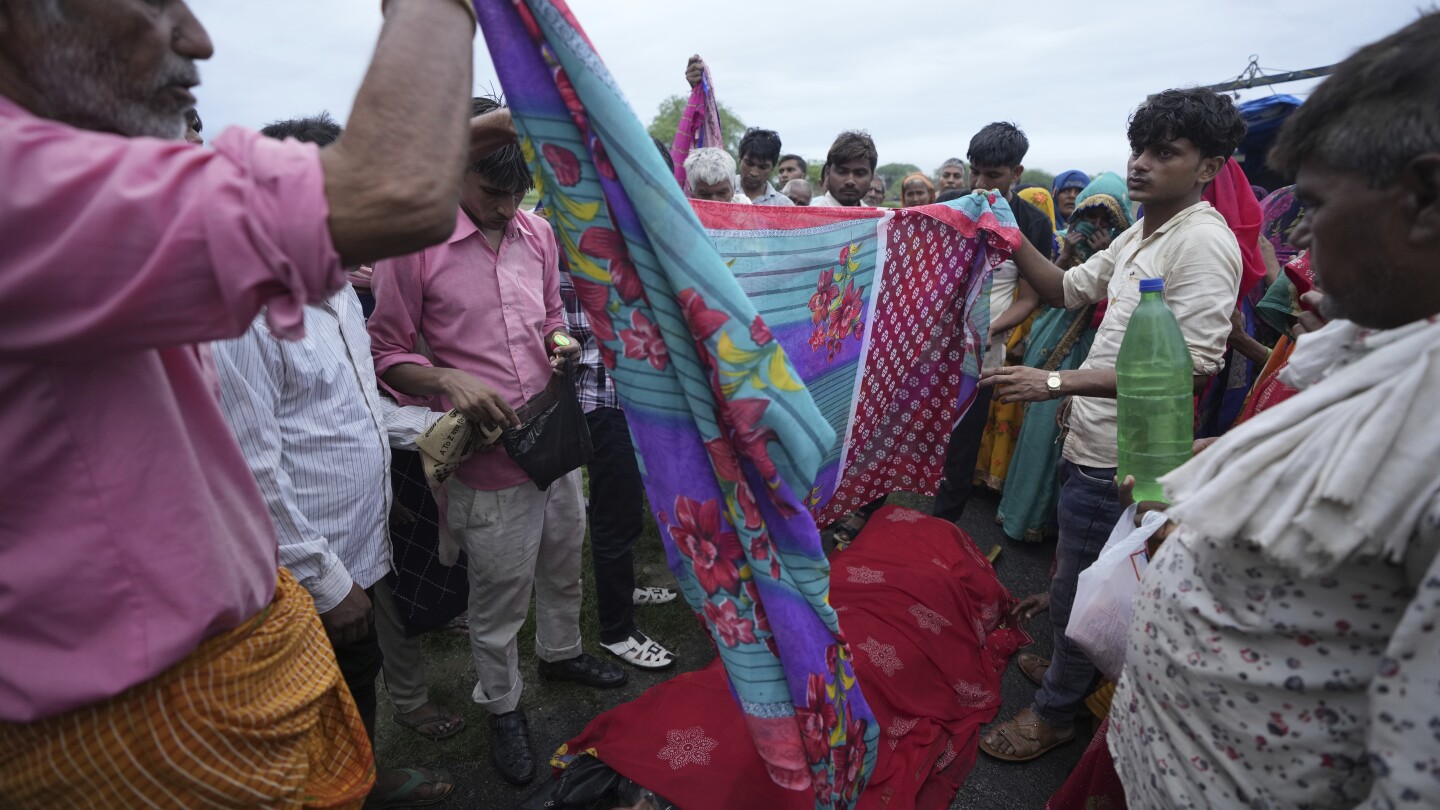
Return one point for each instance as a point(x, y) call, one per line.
point(257, 716)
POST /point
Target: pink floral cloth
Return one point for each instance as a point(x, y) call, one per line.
point(699, 125)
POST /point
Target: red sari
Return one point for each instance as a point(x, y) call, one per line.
point(922, 610)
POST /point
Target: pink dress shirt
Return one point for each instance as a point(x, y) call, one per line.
point(130, 526)
point(483, 312)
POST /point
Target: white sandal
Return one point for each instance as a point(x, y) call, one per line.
point(653, 596)
point(642, 652)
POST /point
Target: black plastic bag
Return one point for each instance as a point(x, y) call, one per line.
point(553, 438)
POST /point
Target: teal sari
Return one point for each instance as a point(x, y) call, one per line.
point(1059, 340)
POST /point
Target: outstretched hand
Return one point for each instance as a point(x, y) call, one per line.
point(1017, 384)
point(1030, 607)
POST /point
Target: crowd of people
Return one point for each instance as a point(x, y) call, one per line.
point(217, 355)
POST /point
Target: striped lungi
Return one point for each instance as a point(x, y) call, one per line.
point(256, 717)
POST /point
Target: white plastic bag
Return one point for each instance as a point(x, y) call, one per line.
point(1105, 594)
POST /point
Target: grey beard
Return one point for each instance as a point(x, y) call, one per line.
point(81, 83)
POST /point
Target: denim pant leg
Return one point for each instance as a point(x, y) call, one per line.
point(1089, 507)
point(617, 516)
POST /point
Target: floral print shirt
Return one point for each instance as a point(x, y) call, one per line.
point(1247, 685)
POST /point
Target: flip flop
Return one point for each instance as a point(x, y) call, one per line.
point(449, 724)
point(403, 796)
point(653, 596)
point(1022, 734)
point(639, 651)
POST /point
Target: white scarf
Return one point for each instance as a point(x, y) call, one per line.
point(1345, 468)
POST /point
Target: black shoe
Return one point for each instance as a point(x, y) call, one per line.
point(587, 669)
point(510, 748)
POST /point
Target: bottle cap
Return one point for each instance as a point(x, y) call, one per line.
point(1152, 285)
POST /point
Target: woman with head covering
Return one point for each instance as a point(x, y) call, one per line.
point(1066, 191)
point(1279, 308)
point(1059, 340)
point(1041, 199)
point(916, 189)
point(1224, 397)
point(997, 445)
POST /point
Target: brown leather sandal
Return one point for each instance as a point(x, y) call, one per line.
point(1026, 736)
point(1032, 666)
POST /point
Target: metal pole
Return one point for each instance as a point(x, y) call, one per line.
point(1279, 78)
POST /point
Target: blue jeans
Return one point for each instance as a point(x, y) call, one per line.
point(1089, 507)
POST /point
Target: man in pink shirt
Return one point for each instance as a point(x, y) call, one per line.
point(487, 304)
point(147, 653)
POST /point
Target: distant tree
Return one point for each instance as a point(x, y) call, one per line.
point(893, 172)
point(1037, 177)
point(667, 121)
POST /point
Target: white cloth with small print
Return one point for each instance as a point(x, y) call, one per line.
point(1285, 647)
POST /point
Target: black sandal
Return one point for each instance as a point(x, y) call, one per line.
point(844, 532)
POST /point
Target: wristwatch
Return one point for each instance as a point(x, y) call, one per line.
point(1052, 382)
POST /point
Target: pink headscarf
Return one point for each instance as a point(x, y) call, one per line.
point(1231, 195)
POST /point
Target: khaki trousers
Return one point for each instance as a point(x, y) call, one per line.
point(518, 540)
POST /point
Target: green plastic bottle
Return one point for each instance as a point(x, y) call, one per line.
point(1155, 392)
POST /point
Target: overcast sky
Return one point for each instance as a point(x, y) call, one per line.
point(920, 76)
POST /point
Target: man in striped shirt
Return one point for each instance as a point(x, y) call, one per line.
point(316, 433)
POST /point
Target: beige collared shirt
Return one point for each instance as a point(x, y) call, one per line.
point(1197, 255)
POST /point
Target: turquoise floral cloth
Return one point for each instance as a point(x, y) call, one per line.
point(730, 432)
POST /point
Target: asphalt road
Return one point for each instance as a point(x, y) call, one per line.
point(559, 711)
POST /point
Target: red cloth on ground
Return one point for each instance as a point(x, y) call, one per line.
point(922, 610)
point(1232, 196)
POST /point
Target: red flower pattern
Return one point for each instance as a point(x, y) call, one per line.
point(727, 621)
point(571, 99)
point(625, 279)
point(851, 305)
point(703, 321)
point(602, 160)
point(759, 332)
point(594, 297)
point(563, 163)
point(722, 456)
point(826, 291)
point(602, 243)
point(751, 436)
point(817, 718)
point(715, 554)
point(836, 313)
point(643, 341)
point(748, 507)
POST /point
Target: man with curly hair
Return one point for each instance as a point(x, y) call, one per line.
point(1179, 140)
point(1283, 649)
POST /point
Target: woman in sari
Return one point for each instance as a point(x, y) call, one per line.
point(997, 446)
point(1059, 340)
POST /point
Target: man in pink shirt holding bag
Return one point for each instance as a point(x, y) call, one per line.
point(147, 653)
point(487, 305)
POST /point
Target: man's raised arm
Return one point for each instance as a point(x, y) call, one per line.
point(392, 180)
